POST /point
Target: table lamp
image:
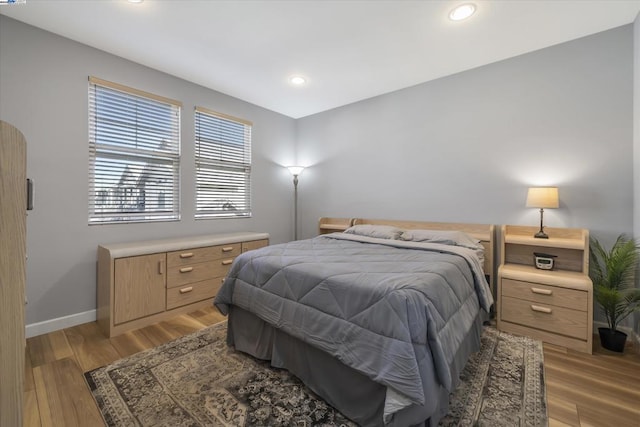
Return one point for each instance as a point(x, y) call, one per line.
point(542, 197)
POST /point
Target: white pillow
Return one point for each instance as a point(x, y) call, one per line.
point(378, 231)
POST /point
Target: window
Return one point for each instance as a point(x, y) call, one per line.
point(223, 165)
point(134, 155)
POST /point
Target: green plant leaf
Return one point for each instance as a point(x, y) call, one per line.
point(613, 275)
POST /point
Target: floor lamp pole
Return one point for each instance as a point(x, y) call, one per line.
point(295, 207)
point(295, 171)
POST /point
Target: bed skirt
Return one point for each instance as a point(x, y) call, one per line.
point(350, 392)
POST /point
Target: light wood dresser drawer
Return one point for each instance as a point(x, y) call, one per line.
point(543, 294)
point(197, 255)
point(191, 256)
point(227, 251)
point(255, 244)
point(192, 292)
point(178, 276)
point(559, 320)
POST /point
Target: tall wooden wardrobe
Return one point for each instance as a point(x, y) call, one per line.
point(13, 213)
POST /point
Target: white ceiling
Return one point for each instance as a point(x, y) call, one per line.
point(349, 50)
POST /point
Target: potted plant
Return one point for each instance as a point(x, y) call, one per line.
point(613, 276)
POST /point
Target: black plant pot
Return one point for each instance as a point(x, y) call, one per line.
point(612, 340)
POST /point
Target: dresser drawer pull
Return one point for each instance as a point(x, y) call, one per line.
point(540, 309)
point(541, 291)
point(186, 269)
point(227, 262)
point(185, 290)
point(227, 249)
point(222, 280)
point(186, 255)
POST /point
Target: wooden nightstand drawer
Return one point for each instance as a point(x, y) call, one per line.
point(543, 294)
point(559, 320)
point(192, 292)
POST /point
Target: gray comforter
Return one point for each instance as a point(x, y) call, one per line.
point(377, 305)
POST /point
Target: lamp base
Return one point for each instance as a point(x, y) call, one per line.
point(541, 235)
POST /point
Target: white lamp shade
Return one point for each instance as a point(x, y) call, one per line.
point(542, 197)
point(295, 170)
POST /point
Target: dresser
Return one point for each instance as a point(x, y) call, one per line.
point(141, 283)
point(13, 222)
point(555, 305)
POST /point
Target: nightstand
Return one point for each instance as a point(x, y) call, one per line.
point(555, 306)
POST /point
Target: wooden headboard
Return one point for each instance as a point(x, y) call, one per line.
point(483, 232)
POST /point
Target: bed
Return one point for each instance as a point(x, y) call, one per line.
point(378, 320)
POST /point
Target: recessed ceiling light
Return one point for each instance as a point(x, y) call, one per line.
point(135, 1)
point(297, 80)
point(462, 12)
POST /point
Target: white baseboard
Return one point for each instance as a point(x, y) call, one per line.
point(631, 334)
point(52, 325)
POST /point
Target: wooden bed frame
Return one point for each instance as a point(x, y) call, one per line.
point(483, 232)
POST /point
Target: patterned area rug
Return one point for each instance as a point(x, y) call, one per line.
point(197, 380)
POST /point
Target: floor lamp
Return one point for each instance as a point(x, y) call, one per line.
point(295, 171)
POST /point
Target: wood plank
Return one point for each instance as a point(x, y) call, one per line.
point(130, 343)
point(604, 382)
point(583, 370)
point(553, 348)
point(557, 423)
point(63, 396)
point(593, 415)
point(30, 413)
point(91, 348)
point(599, 363)
point(562, 411)
point(49, 347)
point(182, 325)
point(602, 402)
point(208, 316)
point(158, 334)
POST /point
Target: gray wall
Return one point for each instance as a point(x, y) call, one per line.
point(467, 146)
point(460, 148)
point(44, 93)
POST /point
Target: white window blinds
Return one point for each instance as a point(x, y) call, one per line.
point(223, 165)
point(134, 155)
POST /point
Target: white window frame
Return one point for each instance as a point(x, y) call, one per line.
point(134, 155)
point(223, 165)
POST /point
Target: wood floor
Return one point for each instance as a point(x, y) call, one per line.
point(602, 389)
